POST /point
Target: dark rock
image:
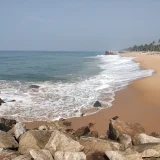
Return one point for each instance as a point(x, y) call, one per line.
point(93, 134)
point(6, 124)
point(34, 86)
point(1, 101)
point(82, 114)
point(67, 123)
point(97, 155)
point(82, 131)
point(12, 100)
point(110, 53)
point(117, 128)
point(114, 118)
point(97, 104)
point(91, 125)
point(69, 130)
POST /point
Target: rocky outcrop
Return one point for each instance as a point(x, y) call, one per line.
point(117, 128)
point(8, 154)
point(42, 154)
point(143, 138)
point(19, 129)
point(155, 134)
point(61, 142)
point(60, 155)
point(82, 131)
point(7, 141)
point(110, 53)
point(33, 139)
point(93, 134)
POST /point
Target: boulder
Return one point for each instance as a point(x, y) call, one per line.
point(97, 104)
point(60, 155)
point(82, 131)
point(125, 140)
point(19, 129)
point(95, 147)
point(93, 134)
point(117, 128)
point(1, 101)
point(7, 141)
point(116, 155)
point(61, 142)
point(23, 157)
point(42, 154)
point(8, 154)
point(6, 124)
point(143, 138)
point(33, 139)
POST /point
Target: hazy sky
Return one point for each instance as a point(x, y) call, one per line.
point(77, 24)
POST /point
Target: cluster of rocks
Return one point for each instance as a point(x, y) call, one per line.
point(110, 53)
point(57, 141)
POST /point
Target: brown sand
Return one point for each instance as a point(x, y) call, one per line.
point(139, 102)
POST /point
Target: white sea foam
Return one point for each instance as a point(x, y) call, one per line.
point(54, 100)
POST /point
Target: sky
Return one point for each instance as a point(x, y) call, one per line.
point(78, 25)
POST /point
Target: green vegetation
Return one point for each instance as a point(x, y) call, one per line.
point(147, 47)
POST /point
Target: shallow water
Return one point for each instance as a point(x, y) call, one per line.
point(69, 82)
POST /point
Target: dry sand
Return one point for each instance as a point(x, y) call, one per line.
point(139, 102)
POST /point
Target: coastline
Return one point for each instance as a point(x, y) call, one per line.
point(138, 102)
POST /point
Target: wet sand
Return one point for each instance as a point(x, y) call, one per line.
point(139, 102)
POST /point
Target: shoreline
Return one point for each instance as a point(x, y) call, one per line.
point(133, 103)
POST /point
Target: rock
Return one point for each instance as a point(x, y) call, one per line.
point(116, 155)
point(1, 101)
point(67, 123)
point(6, 124)
point(150, 153)
point(82, 131)
point(95, 147)
point(90, 124)
point(114, 118)
point(110, 53)
point(117, 128)
point(61, 142)
point(60, 155)
point(42, 154)
point(82, 114)
point(155, 134)
point(97, 104)
point(143, 138)
point(34, 86)
point(19, 129)
point(23, 157)
point(125, 140)
point(44, 127)
point(8, 154)
point(7, 141)
point(93, 134)
point(33, 139)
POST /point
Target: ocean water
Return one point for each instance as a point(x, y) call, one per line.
point(69, 82)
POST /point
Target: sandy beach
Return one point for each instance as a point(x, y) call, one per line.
point(138, 102)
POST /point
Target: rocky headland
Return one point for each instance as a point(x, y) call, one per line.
point(58, 141)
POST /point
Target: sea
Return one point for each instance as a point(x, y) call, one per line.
point(67, 82)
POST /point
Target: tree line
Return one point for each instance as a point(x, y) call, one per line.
point(147, 47)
